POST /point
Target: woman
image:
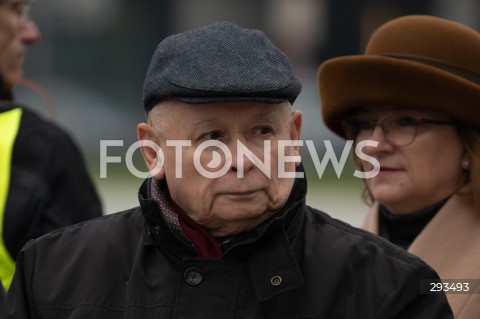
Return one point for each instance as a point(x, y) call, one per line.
point(416, 92)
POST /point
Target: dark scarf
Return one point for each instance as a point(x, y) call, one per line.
point(403, 229)
point(183, 226)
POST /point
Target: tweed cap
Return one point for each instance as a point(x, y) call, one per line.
point(219, 63)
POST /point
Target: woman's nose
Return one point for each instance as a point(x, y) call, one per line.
point(378, 135)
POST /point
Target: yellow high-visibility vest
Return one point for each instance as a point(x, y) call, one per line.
point(9, 124)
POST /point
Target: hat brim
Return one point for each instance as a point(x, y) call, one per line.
point(347, 83)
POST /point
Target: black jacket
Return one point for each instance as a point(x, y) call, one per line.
point(49, 184)
point(299, 264)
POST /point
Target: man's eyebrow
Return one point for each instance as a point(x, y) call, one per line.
point(205, 123)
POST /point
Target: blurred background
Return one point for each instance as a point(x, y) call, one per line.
point(93, 56)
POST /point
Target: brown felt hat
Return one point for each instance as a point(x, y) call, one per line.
point(419, 62)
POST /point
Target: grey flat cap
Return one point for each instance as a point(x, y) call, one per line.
point(219, 63)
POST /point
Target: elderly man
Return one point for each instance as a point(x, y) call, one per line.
point(222, 230)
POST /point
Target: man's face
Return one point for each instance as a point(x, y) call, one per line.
point(15, 33)
point(228, 204)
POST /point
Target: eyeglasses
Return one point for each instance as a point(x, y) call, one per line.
point(399, 130)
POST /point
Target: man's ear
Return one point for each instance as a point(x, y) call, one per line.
point(296, 130)
point(151, 150)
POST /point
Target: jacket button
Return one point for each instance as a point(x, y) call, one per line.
point(193, 276)
point(276, 280)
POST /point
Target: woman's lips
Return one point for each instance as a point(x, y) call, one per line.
point(386, 170)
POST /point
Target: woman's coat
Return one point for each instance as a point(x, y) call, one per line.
point(450, 243)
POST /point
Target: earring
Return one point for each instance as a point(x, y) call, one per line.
point(466, 164)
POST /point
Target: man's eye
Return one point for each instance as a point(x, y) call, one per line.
point(214, 135)
point(263, 130)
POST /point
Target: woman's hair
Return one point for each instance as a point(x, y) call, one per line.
point(470, 138)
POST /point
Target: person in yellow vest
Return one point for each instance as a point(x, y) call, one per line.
point(44, 184)
point(415, 93)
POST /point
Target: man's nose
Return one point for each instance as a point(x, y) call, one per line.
point(241, 157)
point(29, 32)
